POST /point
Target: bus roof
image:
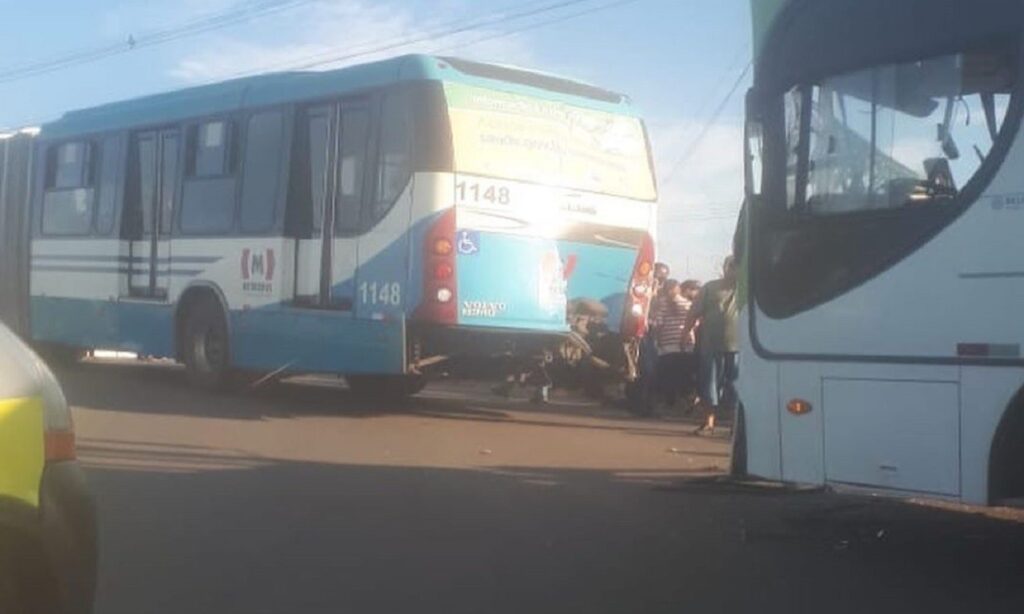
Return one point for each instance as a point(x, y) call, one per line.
point(285, 87)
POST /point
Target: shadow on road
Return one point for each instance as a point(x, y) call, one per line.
point(240, 534)
point(160, 388)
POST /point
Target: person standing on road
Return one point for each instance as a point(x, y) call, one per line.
point(673, 310)
point(687, 373)
point(715, 312)
point(642, 403)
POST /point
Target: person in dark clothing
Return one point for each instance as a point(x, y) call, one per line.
point(715, 311)
point(641, 393)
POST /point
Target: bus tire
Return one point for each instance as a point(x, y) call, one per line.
point(26, 585)
point(10, 592)
point(206, 346)
point(60, 355)
point(385, 386)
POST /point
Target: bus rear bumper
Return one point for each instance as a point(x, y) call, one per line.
point(478, 341)
point(477, 351)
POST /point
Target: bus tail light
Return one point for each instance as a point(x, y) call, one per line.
point(439, 282)
point(641, 283)
point(443, 270)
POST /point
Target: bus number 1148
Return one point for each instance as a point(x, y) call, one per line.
point(474, 192)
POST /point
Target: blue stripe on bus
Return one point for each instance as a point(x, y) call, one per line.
point(318, 340)
point(136, 326)
point(120, 270)
point(104, 258)
point(268, 338)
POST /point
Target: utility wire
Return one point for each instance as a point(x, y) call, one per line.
point(364, 47)
point(706, 128)
point(536, 25)
point(714, 92)
point(240, 13)
point(451, 28)
point(442, 31)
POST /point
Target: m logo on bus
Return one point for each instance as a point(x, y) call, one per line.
point(258, 270)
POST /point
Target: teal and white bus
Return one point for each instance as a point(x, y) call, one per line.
point(367, 221)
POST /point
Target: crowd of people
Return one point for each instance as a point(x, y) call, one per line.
point(690, 352)
point(688, 356)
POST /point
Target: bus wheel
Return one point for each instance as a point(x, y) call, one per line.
point(206, 346)
point(25, 582)
point(9, 590)
point(386, 386)
point(60, 355)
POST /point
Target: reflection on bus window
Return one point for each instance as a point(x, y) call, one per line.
point(895, 136)
point(209, 150)
point(319, 125)
point(106, 208)
point(355, 131)
point(261, 174)
point(68, 201)
point(394, 163)
point(68, 166)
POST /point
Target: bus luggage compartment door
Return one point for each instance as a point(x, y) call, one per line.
point(901, 435)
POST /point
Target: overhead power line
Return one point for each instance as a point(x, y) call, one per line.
point(444, 30)
point(706, 128)
point(440, 31)
point(238, 14)
point(537, 25)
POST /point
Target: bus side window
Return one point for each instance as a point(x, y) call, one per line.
point(393, 161)
point(310, 126)
point(355, 136)
point(261, 170)
point(140, 190)
point(210, 186)
point(69, 185)
point(106, 204)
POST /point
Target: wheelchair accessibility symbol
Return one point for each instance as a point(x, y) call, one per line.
point(468, 242)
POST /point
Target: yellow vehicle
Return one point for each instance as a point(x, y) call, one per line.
point(47, 518)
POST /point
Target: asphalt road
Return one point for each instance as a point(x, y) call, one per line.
point(297, 498)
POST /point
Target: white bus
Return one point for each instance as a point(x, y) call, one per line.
point(884, 279)
point(372, 221)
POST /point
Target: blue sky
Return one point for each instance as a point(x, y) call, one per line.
point(677, 59)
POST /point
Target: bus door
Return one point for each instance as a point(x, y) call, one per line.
point(153, 181)
point(334, 140)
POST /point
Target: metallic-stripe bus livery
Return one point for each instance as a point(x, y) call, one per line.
point(366, 220)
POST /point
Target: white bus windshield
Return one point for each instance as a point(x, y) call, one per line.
point(523, 138)
point(895, 135)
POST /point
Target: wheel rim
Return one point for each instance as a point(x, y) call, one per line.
point(210, 350)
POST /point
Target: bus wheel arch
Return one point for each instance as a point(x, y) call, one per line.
point(1006, 453)
point(203, 336)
